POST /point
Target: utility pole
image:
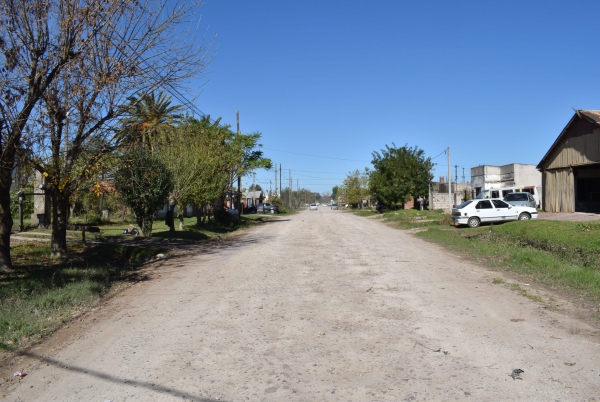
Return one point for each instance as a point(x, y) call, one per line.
point(253, 190)
point(275, 181)
point(239, 192)
point(456, 174)
point(290, 192)
point(464, 175)
point(449, 182)
point(280, 182)
point(270, 189)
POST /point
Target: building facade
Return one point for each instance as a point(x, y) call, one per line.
point(486, 177)
point(571, 167)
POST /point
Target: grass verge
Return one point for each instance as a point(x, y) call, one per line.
point(42, 292)
point(413, 218)
point(558, 254)
point(562, 255)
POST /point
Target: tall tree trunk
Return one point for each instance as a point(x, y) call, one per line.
point(181, 214)
point(171, 222)
point(6, 224)
point(60, 217)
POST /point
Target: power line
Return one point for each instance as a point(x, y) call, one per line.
point(316, 156)
point(443, 152)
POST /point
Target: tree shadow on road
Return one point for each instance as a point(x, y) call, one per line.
point(117, 380)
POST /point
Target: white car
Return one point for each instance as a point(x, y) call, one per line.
point(314, 207)
point(475, 212)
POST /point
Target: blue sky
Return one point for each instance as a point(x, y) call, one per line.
point(493, 80)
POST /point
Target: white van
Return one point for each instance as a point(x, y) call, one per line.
point(501, 192)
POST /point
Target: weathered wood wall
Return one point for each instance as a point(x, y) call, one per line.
point(581, 146)
point(559, 190)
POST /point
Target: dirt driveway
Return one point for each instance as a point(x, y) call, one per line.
point(569, 216)
point(320, 306)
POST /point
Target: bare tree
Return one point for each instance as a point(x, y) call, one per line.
point(69, 67)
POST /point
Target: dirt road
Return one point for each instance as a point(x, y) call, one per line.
point(322, 305)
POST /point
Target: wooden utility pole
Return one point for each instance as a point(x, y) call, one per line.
point(239, 192)
point(290, 192)
point(280, 182)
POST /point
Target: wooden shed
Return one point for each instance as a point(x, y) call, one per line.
point(571, 167)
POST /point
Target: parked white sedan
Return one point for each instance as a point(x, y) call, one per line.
point(475, 212)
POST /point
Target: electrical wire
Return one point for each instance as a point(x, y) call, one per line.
point(316, 156)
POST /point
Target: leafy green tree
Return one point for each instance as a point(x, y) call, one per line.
point(400, 174)
point(356, 187)
point(335, 193)
point(200, 157)
point(144, 183)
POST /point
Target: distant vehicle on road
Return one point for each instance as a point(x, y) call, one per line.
point(314, 207)
point(475, 212)
point(334, 207)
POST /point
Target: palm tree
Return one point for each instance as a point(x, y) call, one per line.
point(148, 113)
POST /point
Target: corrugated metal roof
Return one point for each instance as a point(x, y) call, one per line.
point(590, 115)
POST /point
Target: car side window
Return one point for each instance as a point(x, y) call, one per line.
point(484, 205)
point(500, 204)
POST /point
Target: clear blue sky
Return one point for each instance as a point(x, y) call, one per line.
point(493, 80)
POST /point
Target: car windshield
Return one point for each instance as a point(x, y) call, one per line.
point(516, 197)
point(464, 204)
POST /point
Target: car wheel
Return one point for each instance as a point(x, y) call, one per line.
point(272, 211)
point(524, 217)
point(473, 222)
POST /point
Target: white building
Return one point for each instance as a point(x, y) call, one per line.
point(485, 177)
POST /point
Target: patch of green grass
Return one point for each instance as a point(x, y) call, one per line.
point(414, 218)
point(43, 292)
point(191, 232)
point(518, 288)
point(365, 212)
point(551, 252)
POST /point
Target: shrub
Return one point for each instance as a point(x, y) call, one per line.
point(144, 183)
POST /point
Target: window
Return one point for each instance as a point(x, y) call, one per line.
point(464, 204)
point(495, 194)
point(500, 204)
point(484, 205)
point(517, 197)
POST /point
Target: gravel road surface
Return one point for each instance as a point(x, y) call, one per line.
point(318, 306)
